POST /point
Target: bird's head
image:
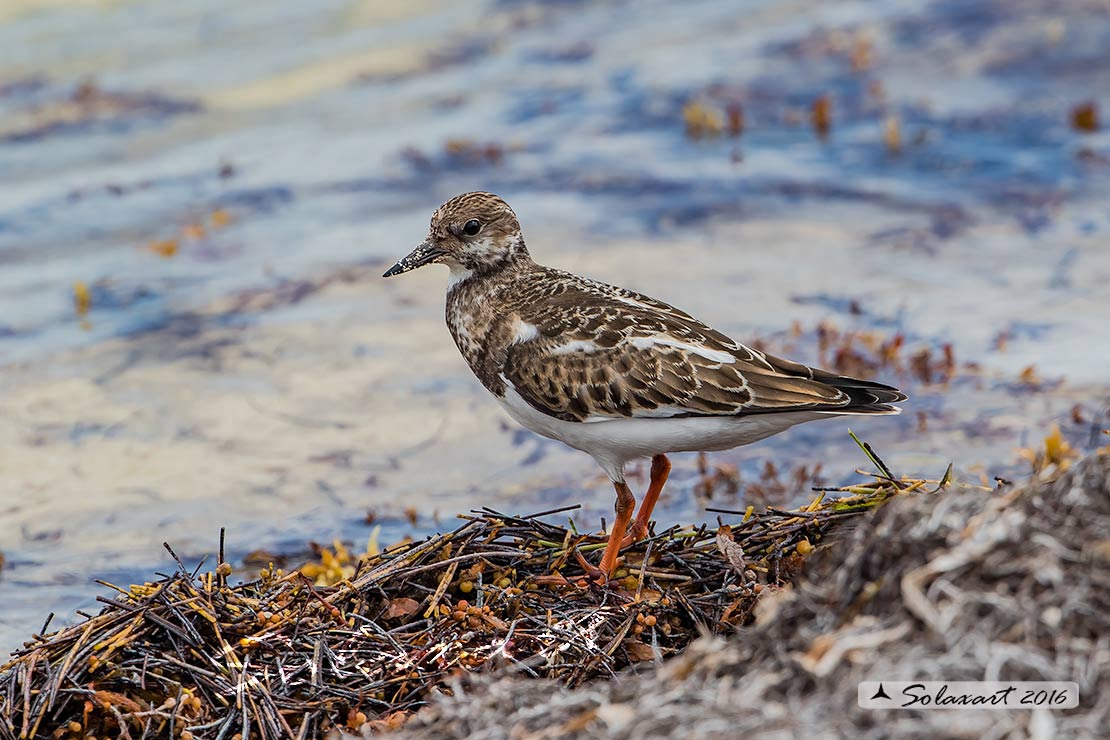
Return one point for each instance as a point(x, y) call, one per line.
point(471, 233)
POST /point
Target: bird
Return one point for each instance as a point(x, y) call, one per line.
point(609, 371)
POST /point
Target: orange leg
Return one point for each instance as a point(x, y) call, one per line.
point(660, 469)
point(626, 502)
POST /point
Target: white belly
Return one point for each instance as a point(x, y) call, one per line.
point(614, 442)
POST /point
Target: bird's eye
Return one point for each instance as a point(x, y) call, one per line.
point(472, 227)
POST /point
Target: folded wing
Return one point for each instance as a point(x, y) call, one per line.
point(627, 355)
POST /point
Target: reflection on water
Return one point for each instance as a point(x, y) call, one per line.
point(229, 181)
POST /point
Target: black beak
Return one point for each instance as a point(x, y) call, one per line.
point(424, 254)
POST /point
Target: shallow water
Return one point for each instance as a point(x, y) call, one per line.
point(264, 378)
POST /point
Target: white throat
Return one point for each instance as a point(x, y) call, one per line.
point(457, 275)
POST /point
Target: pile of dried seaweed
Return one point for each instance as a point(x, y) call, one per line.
point(191, 655)
point(1007, 585)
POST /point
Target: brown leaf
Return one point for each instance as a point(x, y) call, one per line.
point(109, 698)
point(639, 651)
point(220, 218)
point(821, 115)
point(82, 298)
point(892, 134)
point(494, 622)
point(401, 607)
point(163, 247)
point(1084, 117)
point(735, 120)
point(733, 552)
point(861, 54)
point(391, 721)
point(737, 610)
point(701, 120)
point(193, 231)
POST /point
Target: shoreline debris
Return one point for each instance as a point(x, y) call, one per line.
point(190, 655)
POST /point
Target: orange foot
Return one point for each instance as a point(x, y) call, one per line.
point(626, 502)
point(592, 572)
point(660, 470)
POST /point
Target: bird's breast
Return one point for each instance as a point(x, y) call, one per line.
point(482, 336)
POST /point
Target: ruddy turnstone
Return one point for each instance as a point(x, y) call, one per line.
point(608, 371)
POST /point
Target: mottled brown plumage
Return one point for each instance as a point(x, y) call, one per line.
point(563, 353)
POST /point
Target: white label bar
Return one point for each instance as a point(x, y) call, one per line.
point(968, 694)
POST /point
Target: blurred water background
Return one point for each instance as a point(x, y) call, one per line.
point(197, 199)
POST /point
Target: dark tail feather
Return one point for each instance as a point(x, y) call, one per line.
point(866, 397)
